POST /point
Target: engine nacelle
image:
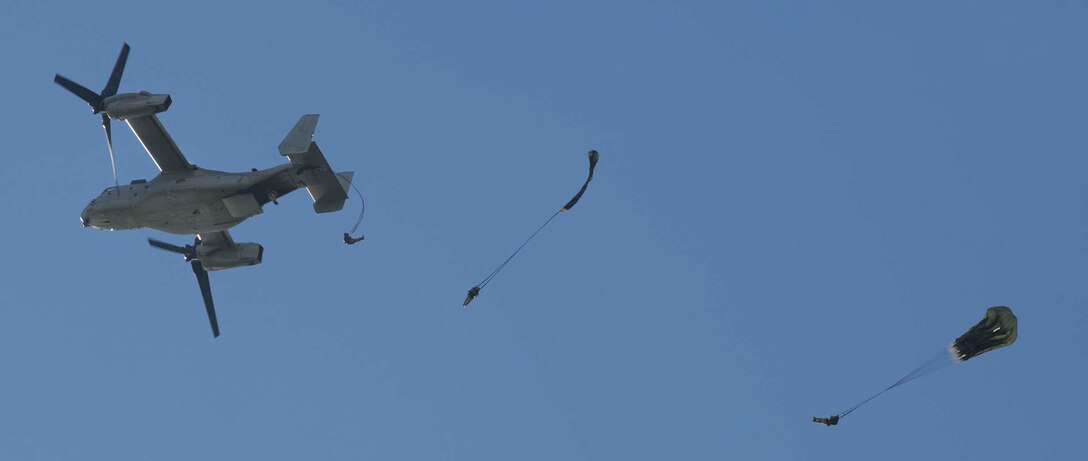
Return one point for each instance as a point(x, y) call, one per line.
point(241, 254)
point(123, 106)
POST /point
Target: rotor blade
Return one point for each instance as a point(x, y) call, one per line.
point(85, 94)
point(115, 76)
point(206, 292)
point(109, 142)
point(167, 246)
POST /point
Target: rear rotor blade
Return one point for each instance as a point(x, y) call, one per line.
point(85, 94)
point(168, 247)
point(115, 76)
point(206, 292)
point(109, 142)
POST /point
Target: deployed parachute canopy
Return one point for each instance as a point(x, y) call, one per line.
point(593, 157)
point(997, 329)
point(475, 291)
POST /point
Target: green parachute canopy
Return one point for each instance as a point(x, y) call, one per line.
point(997, 329)
point(593, 157)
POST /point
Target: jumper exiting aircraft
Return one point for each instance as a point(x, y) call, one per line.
point(186, 199)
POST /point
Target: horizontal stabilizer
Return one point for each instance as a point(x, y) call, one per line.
point(327, 189)
point(332, 200)
point(345, 179)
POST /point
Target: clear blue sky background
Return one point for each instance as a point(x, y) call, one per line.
point(796, 204)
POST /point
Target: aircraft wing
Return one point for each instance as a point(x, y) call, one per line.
point(158, 144)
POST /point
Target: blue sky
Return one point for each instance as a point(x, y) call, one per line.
point(796, 204)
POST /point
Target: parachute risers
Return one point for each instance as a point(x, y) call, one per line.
point(997, 329)
point(475, 291)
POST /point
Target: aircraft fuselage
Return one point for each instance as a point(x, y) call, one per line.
point(190, 202)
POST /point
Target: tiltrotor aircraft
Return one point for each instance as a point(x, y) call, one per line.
point(186, 199)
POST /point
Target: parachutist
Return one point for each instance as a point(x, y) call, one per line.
point(828, 421)
point(472, 294)
point(348, 239)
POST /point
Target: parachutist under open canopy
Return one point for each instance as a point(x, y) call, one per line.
point(997, 329)
point(475, 291)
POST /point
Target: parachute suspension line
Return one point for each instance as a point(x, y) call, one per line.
point(362, 209)
point(495, 272)
point(348, 239)
point(937, 362)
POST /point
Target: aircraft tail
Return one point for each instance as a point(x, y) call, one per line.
point(328, 189)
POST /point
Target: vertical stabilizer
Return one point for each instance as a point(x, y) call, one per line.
point(298, 140)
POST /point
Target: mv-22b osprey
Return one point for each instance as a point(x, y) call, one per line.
point(186, 199)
